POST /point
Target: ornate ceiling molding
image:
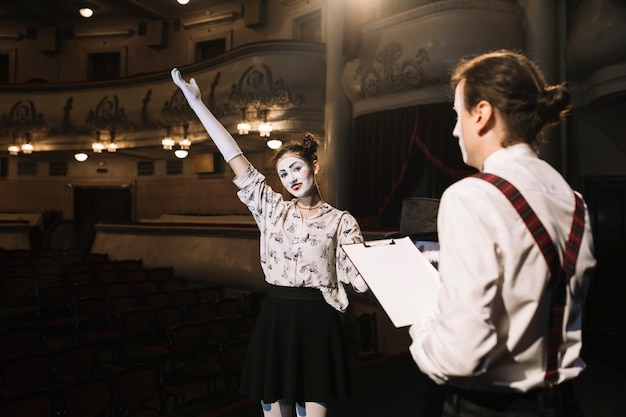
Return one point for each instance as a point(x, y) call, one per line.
point(257, 90)
point(23, 122)
point(273, 77)
point(446, 6)
point(405, 59)
point(391, 74)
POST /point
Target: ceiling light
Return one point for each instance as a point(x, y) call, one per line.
point(81, 156)
point(181, 153)
point(104, 34)
point(9, 36)
point(183, 1)
point(274, 143)
point(210, 20)
point(14, 150)
point(86, 12)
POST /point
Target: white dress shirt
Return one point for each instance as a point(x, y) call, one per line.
point(302, 252)
point(489, 332)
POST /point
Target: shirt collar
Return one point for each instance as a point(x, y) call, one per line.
point(519, 150)
point(321, 210)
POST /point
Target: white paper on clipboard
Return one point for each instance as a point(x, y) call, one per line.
point(403, 281)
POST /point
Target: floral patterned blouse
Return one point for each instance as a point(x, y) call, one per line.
point(302, 252)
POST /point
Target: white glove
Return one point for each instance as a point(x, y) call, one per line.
point(218, 133)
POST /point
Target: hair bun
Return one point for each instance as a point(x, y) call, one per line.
point(553, 103)
point(309, 143)
point(306, 148)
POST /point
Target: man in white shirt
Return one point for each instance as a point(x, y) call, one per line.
point(488, 341)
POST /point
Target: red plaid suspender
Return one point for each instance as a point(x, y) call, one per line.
point(559, 274)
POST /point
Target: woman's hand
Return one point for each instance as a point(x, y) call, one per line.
point(190, 89)
point(218, 133)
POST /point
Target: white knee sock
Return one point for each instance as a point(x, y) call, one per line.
point(311, 409)
point(277, 409)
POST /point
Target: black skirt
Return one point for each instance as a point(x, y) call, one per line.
point(297, 351)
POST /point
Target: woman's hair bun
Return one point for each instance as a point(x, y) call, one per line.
point(309, 143)
point(305, 148)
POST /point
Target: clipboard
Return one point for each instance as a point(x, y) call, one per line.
point(405, 283)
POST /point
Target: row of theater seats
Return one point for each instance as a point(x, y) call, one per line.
point(138, 387)
point(23, 277)
point(48, 268)
point(116, 322)
point(72, 381)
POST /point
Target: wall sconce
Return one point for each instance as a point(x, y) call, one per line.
point(265, 128)
point(243, 127)
point(185, 143)
point(112, 146)
point(14, 149)
point(97, 146)
point(27, 148)
point(167, 142)
point(81, 156)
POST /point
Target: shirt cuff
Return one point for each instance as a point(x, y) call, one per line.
point(416, 348)
point(359, 284)
point(241, 181)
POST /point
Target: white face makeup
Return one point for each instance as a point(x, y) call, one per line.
point(295, 175)
point(458, 130)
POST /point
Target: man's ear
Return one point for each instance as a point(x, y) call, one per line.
point(483, 116)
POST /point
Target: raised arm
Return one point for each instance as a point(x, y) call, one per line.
point(218, 133)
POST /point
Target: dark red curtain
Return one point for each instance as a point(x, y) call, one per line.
point(407, 152)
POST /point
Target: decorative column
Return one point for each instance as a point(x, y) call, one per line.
point(337, 111)
point(542, 45)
